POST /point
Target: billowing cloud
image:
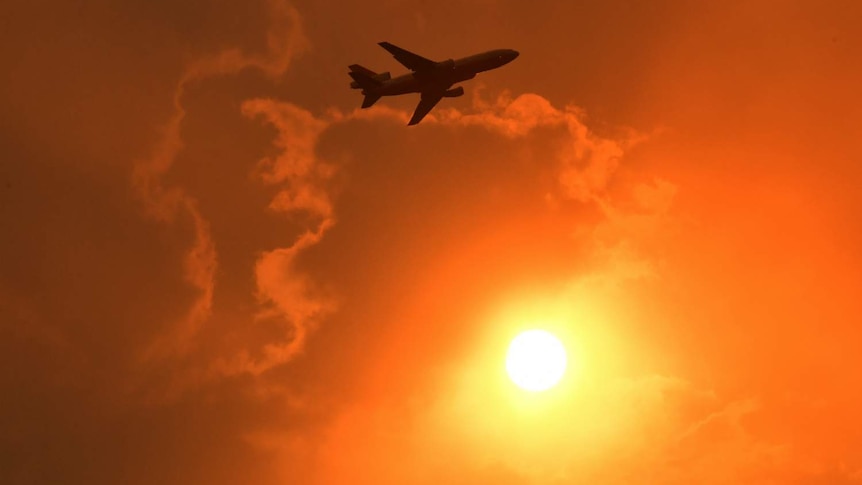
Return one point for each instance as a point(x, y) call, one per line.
point(285, 40)
point(284, 293)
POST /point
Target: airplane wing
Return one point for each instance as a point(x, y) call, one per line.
point(428, 101)
point(412, 61)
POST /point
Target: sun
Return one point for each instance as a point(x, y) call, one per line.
point(536, 360)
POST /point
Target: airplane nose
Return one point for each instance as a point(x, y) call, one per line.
point(513, 54)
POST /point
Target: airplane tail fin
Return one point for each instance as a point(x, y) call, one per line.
point(364, 78)
point(369, 81)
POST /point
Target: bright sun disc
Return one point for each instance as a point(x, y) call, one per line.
point(536, 360)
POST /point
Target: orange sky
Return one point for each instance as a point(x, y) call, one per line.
point(215, 269)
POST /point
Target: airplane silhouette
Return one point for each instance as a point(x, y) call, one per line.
point(433, 80)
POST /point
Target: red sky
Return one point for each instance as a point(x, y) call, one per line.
point(215, 269)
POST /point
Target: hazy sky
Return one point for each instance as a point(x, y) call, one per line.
point(215, 269)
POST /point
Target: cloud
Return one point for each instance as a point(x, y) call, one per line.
point(286, 294)
point(586, 162)
point(297, 166)
point(586, 165)
point(165, 202)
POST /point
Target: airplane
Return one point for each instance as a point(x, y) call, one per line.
point(432, 80)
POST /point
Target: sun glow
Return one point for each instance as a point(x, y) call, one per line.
point(536, 360)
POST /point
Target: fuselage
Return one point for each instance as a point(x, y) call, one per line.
point(445, 74)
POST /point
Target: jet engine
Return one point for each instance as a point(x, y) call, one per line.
point(454, 92)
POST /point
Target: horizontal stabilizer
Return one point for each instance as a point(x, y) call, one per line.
point(361, 69)
point(363, 79)
point(369, 100)
point(454, 92)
